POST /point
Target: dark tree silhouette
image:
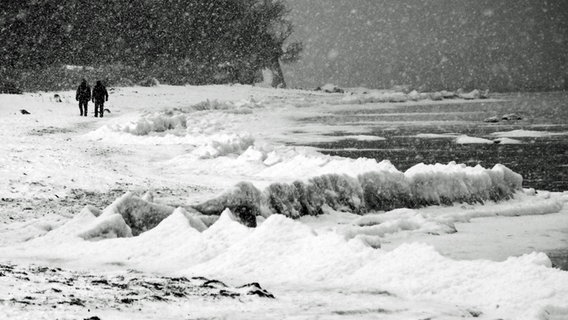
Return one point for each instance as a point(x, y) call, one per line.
point(184, 41)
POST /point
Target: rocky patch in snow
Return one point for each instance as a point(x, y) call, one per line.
point(48, 130)
point(27, 288)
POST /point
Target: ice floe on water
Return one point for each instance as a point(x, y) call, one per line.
point(435, 135)
point(527, 134)
point(463, 139)
point(363, 137)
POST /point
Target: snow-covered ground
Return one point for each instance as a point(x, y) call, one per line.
point(111, 210)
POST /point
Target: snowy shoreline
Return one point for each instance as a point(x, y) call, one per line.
point(189, 146)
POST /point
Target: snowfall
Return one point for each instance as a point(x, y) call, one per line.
point(205, 203)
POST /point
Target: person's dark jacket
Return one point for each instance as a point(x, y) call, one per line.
point(100, 93)
point(83, 92)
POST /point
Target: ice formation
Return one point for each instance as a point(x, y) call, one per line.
point(244, 200)
point(419, 186)
point(422, 185)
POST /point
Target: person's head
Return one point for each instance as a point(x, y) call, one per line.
point(99, 83)
point(84, 82)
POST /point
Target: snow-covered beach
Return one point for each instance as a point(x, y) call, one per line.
point(126, 193)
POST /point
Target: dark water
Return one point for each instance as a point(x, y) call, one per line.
point(543, 161)
point(559, 258)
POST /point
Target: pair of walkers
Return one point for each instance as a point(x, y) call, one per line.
point(98, 96)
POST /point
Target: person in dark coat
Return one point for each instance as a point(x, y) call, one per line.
point(100, 95)
point(83, 96)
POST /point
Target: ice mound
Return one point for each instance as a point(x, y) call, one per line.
point(421, 185)
point(535, 258)
point(237, 107)
point(224, 144)
point(138, 214)
point(178, 121)
point(178, 222)
point(107, 227)
point(244, 201)
point(294, 163)
point(126, 217)
point(82, 222)
point(445, 184)
point(157, 123)
point(194, 221)
point(340, 192)
point(24, 231)
point(385, 190)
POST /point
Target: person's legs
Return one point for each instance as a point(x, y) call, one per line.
point(81, 107)
point(102, 108)
point(85, 107)
point(99, 108)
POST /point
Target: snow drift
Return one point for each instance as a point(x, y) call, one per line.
point(284, 255)
point(181, 121)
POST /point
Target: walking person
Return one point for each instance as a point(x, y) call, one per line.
point(83, 96)
point(100, 95)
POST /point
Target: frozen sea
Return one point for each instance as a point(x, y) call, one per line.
point(428, 133)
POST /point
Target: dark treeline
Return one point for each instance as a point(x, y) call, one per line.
point(175, 41)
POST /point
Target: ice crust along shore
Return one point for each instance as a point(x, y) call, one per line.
point(419, 186)
point(208, 141)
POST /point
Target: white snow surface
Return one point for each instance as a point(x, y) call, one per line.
point(527, 134)
point(467, 139)
point(191, 144)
